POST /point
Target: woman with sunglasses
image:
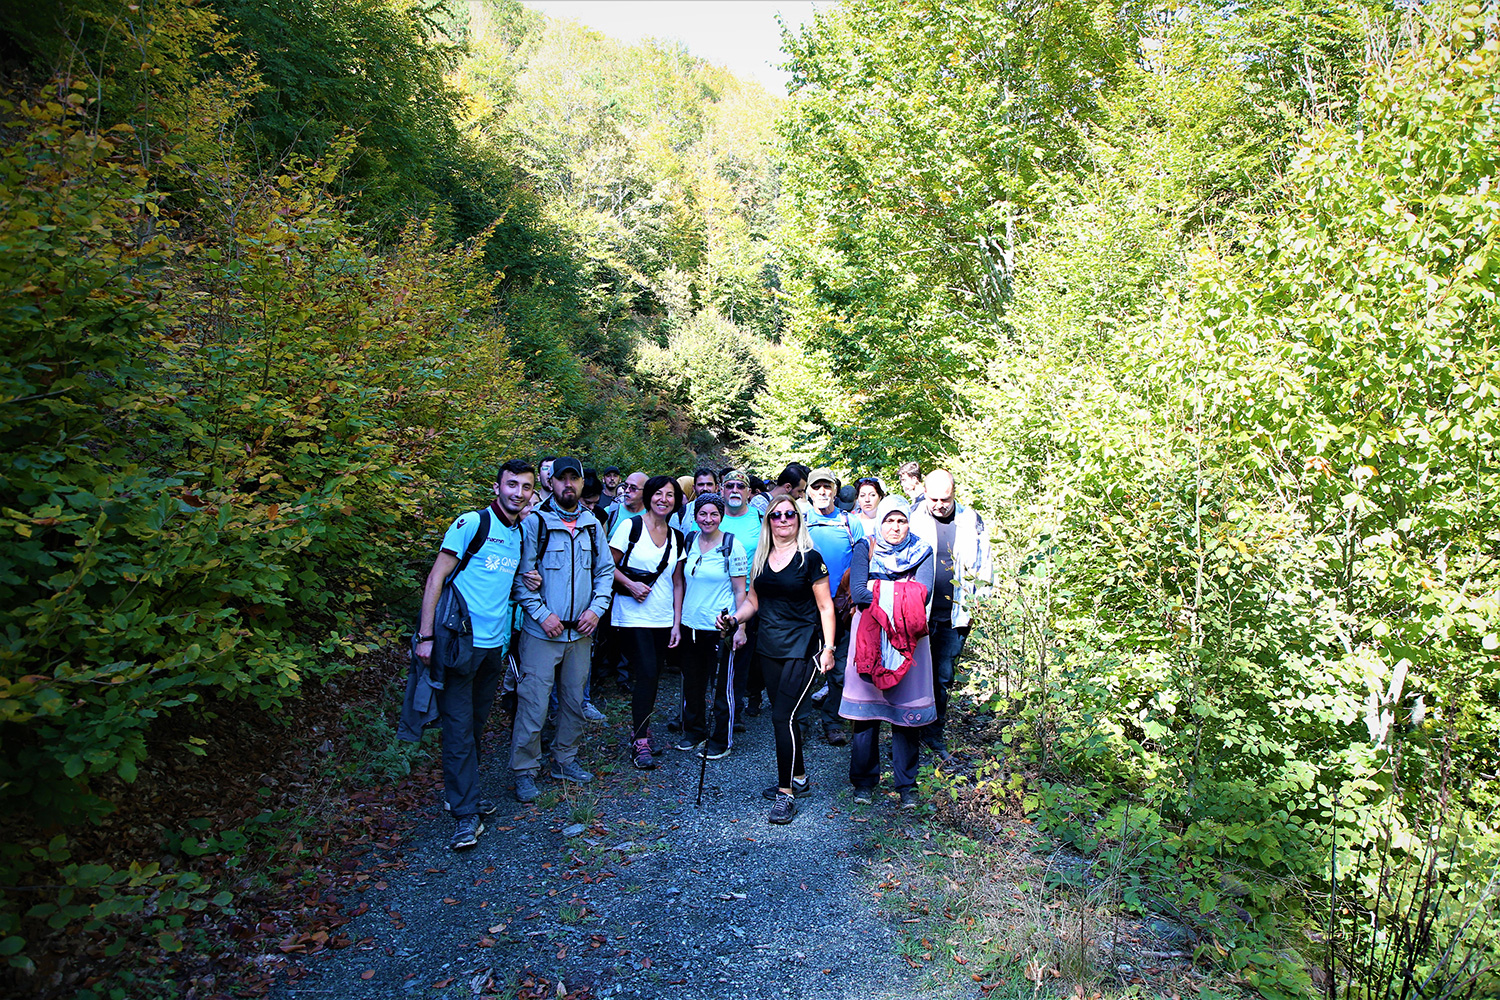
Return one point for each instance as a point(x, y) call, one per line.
point(789, 591)
point(648, 604)
point(715, 573)
point(891, 558)
point(867, 496)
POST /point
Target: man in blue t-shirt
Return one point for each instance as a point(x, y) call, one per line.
point(834, 536)
point(465, 698)
point(742, 520)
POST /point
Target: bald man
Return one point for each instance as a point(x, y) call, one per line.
point(958, 537)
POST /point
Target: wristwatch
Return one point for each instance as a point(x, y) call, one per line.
point(419, 637)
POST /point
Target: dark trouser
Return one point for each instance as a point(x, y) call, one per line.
point(700, 668)
point(835, 677)
point(947, 646)
point(645, 648)
point(464, 707)
point(749, 683)
point(607, 659)
point(788, 682)
point(864, 755)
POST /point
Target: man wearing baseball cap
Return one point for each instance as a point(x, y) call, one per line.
point(564, 542)
point(834, 536)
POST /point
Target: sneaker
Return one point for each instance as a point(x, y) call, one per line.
point(674, 724)
point(640, 755)
point(909, 798)
point(784, 809)
point(570, 771)
point(801, 789)
point(835, 734)
point(864, 796)
point(687, 743)
point(714, 752)
point(467, 834)
point(592, 713)
point(526, 788)
point(486, 808)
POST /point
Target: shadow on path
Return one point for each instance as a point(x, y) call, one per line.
point(654, 897)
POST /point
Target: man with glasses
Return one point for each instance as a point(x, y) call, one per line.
point(632, 500)
point(743, 522)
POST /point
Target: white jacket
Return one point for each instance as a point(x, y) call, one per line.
point(972, 573)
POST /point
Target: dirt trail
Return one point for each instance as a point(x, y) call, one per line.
point(653, 898)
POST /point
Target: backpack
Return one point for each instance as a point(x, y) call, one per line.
point(542, 534)
point(725, 547)
point(452, 629)
point(642, 576)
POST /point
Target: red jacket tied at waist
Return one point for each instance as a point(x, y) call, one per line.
point(899, 616)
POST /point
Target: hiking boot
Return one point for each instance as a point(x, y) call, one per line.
point(784, 809)
point(526, 788)
point(592, 714)
point(909, 798)
point(570, 771)
point(640, 755)
point(801, 789)
point(485, 806)
point(687, 743)
point(864, 796)
point(467, 834)
point(713, 751)
point(835, 734)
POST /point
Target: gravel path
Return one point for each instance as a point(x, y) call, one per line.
point(654, 897)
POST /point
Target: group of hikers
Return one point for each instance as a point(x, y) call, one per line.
point(845, 600)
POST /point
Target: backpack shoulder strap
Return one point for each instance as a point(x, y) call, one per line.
point(635, 536)
point(726, 549)
point(542, 534)
point(481, 535)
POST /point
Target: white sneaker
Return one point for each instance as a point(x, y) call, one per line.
point(592, 714)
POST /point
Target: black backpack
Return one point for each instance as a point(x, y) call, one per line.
point(726, 546)
point(640, 575)
point(452, 629)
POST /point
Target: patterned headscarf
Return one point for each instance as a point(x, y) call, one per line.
point(887, 560)
point(709, 499)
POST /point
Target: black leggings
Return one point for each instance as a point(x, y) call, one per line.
point(700, 669)
point(789, 682)
point(645, 648)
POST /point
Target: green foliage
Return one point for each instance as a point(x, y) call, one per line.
point(1228, 402)
point(709, 368)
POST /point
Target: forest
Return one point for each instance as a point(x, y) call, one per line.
point(1198, 302)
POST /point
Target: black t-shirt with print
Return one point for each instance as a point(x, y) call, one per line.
point(789, 621)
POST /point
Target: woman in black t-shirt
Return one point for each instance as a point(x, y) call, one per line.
point(789, 590)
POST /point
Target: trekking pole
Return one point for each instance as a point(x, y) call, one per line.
point(721, 659)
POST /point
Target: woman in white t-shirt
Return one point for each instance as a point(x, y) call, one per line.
point(648, 602)
point(715, 572)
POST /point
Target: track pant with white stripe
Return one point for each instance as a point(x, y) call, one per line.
point(789, 682)
point(700, 661)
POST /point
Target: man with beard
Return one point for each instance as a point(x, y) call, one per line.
point(566, 544)
point(963, 575)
